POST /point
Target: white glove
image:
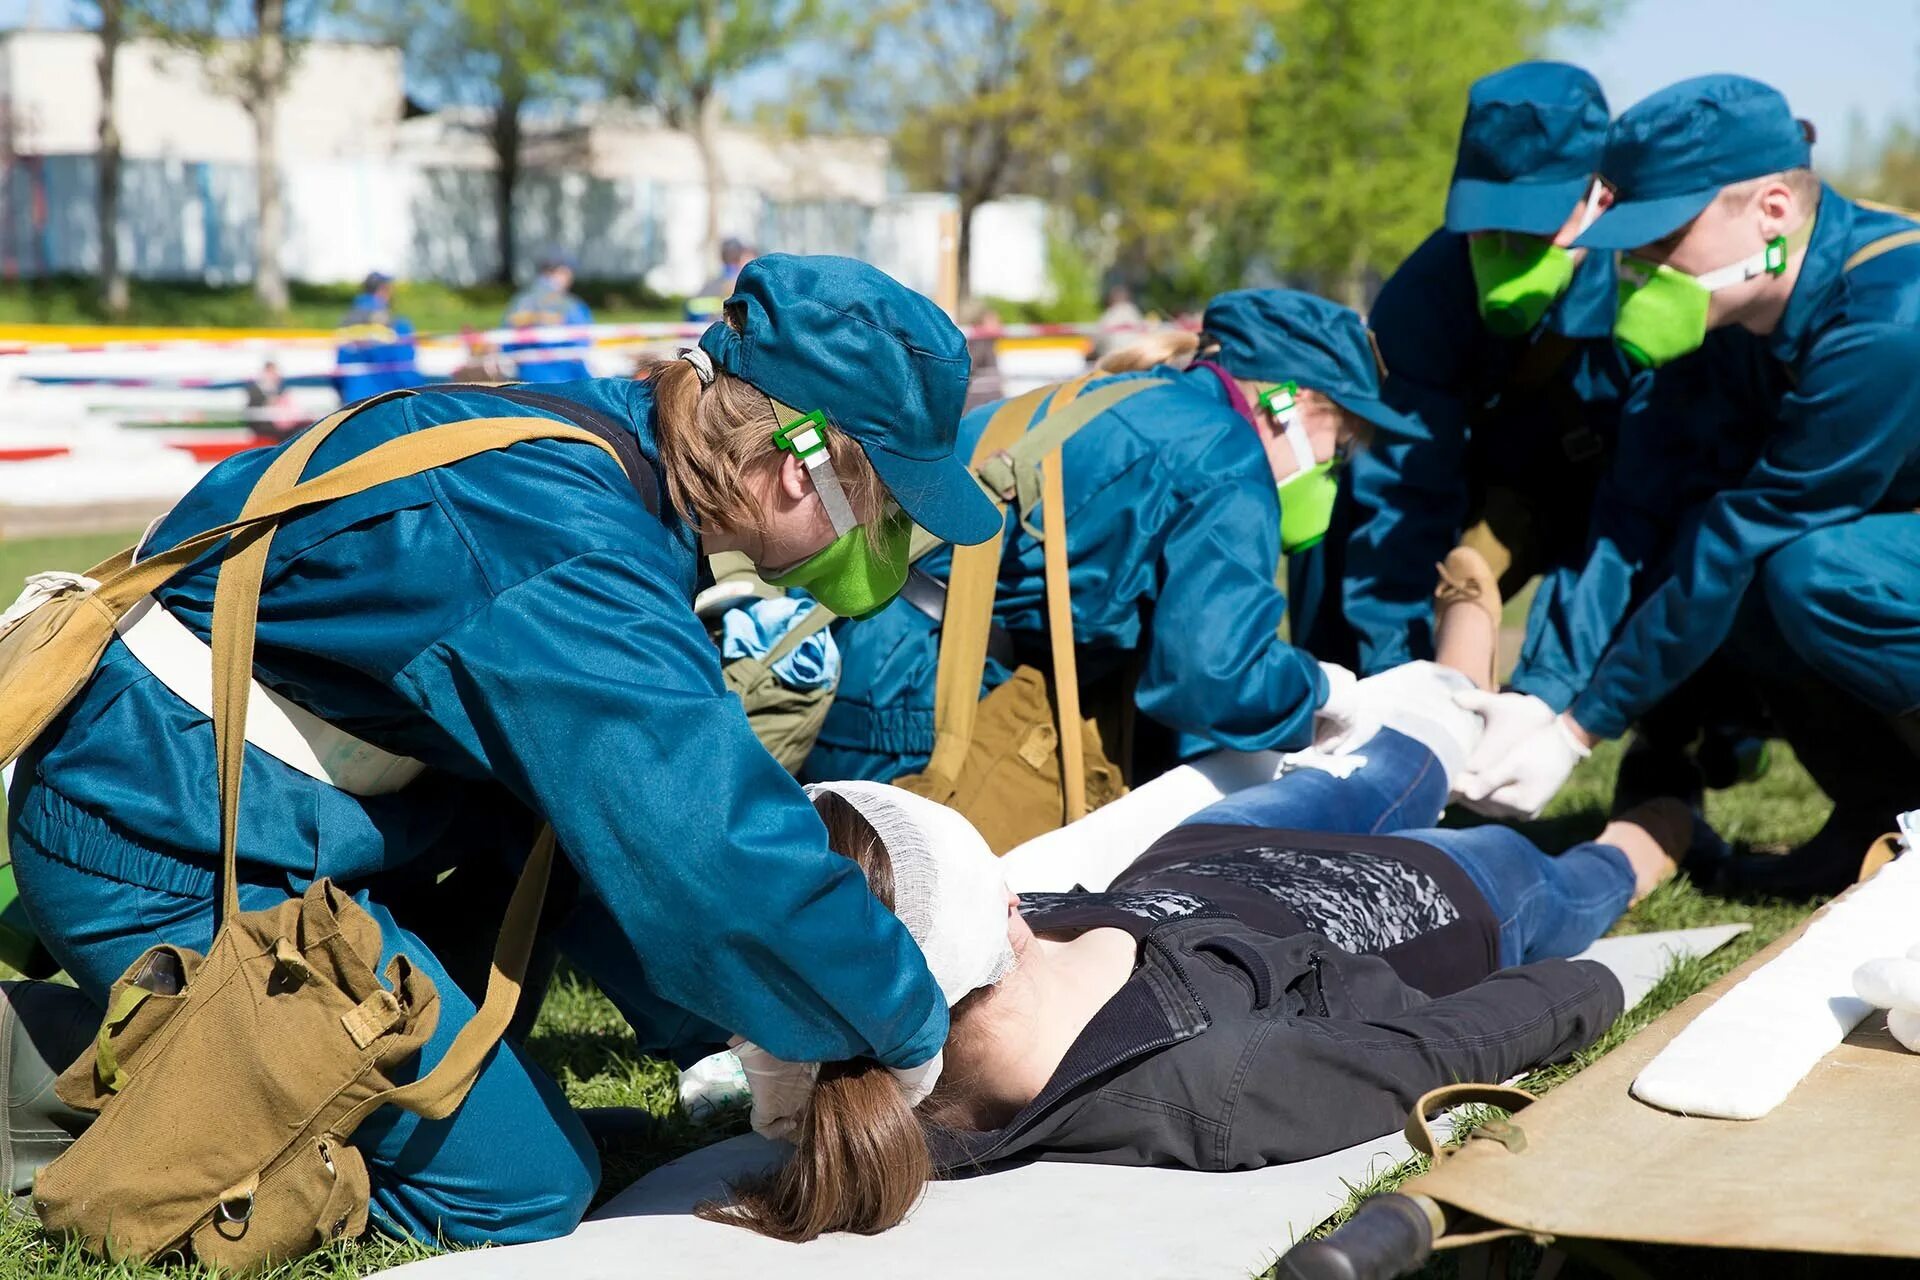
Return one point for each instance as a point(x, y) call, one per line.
point(783, 1090)
point(1894, 985)
point(1519, 782)
point(1511, 718)
point(1340, 724)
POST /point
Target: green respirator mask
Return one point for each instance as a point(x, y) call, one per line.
point(856, 575)
point(1306, 496)
point(1516, 278)
point(1663, 312)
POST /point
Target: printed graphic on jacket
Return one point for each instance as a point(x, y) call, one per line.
point(1361, 902)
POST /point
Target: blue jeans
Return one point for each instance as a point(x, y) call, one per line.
point(1547, 906)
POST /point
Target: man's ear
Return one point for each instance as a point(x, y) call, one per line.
point(1779, 209)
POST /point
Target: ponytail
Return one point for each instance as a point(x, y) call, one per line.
point(860, 1163)
point(1176, 347)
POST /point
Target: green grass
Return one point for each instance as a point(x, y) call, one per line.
point(583, 1042)
point(432, 307)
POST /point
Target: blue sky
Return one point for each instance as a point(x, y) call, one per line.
point(1836, 61)
point(1833, 60)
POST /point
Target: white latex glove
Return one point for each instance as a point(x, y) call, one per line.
point(1894, 985)
point(1511, 718)
point(781, 1090)
point(1519, 783)
point(1340, 724)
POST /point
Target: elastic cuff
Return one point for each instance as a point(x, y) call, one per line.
point(1597, 720)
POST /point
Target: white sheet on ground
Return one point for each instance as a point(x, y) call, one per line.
point(1063, 1221)
point(1742, 1056)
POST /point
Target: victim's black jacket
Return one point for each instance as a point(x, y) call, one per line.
point(1230, 1048)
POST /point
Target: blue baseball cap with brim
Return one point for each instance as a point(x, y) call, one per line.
point(1283, 335)
point(882, 362)
point(1672, 152)
point(1529, 149)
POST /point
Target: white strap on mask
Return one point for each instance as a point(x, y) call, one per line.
point(1738, 273)
point(810, 444)
point(1302, 445)
point(1592, 211)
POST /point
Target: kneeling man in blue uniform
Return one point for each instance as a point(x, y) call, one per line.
point(1763, 501)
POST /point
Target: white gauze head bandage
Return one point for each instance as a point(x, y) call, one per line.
point(950, 893)
point(948, 888)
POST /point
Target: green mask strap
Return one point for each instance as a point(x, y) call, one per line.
point(805, 437)
point(1770, 261)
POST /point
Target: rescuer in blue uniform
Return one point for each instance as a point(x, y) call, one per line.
point(521, 624)
point(1764, 496)
point(549, 303)
point(1174, 539)
point(375, 350)
point(1498, 342)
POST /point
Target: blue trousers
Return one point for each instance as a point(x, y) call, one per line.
point(512, 1164)
point(1846, 601)
point(1546, 906)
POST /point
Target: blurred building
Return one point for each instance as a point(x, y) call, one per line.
point(369, 186)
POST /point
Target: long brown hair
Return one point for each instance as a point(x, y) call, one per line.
point(861, 1161)
point(712, 438)
point(1176, 347)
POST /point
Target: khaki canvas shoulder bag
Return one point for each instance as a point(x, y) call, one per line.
point(1013, 762)
point(228, 1085)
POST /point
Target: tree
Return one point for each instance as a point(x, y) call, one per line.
point(1130, 114)
point(110, 22)
point(1360, 121)
point(500, 56)
point(677, 56)
point(250, 49)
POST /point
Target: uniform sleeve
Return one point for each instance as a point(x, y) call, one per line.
point(1409, 487)
point(1316, 1085)
point(1216, 665)
point(591, 691)
point(1856, 405)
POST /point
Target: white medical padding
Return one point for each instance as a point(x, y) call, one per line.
point(1743, 1055)
point(948, 888)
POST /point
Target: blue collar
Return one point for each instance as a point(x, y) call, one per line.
point(1821, 274)
point(1586, 309)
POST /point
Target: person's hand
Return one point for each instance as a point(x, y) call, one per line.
point(1894, 985)
point(917, 1082)
point(1340, 722)
point(1538, 755)
point(781, 1090)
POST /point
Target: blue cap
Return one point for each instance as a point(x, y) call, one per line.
point(554, 259)
point(1670, 153)
point(1283, 335)
point(882, 362)
point(1529, 149)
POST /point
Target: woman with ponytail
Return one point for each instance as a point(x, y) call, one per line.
point(1279, 977)
point(509, 640)
point(1180, 502)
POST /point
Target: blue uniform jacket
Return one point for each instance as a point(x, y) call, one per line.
point(519, 622)
point(376, 352)
point(1173, 536)
point(555, 360)
point(1729, 455)
point(1445, 374)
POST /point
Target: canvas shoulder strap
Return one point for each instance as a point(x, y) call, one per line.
point(235, 609)
point(1008, 461)
point(1885, 244)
